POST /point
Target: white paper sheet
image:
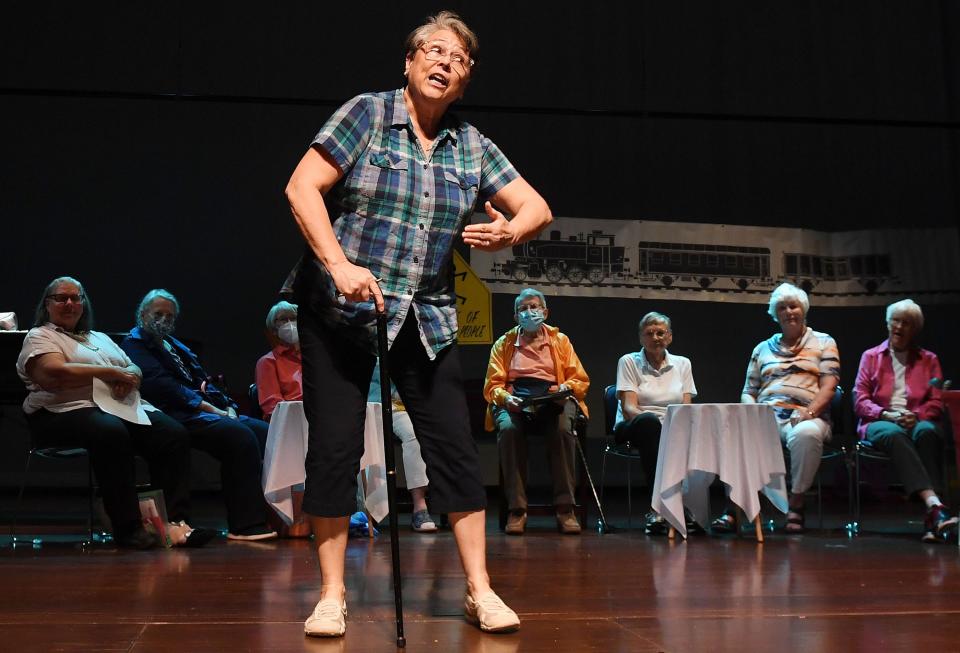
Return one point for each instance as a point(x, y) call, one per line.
point(128, 408)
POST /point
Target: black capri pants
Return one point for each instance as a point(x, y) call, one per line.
point(336, 379)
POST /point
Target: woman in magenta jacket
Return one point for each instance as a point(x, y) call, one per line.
point(898, 405)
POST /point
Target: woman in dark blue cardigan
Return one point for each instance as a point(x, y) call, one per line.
point(174, 382)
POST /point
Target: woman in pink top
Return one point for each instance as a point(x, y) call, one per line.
point(898, 405)
point(279, 376)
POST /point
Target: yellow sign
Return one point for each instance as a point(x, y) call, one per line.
point(474, 309)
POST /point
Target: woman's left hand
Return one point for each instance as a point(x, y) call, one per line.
point(493, 235)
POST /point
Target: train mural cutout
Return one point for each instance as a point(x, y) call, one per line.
point(595, 259)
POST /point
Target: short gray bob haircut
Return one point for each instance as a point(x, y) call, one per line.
point(150, 297)
point(907, 308)
point(785, 292)
point(653, 317)
point(528, 292)
point(443, 20)
point(282, 306)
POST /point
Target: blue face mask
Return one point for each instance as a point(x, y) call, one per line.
point(530, 320)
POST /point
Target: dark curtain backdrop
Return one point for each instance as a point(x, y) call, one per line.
point(148, 146)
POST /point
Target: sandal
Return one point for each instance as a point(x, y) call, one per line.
point(795, 518)
point(725, 523)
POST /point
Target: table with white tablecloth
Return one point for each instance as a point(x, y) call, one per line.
point(283, 462)
point(739, 443)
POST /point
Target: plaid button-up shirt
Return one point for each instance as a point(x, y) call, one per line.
point(398, 212)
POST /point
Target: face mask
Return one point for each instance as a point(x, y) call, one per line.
point(287, 332)
point(531, 320)
point(160, 327)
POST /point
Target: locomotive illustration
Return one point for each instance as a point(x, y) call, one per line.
point(595, 259)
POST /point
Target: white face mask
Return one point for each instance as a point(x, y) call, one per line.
point(287, 332)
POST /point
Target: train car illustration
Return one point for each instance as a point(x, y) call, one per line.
point(703, 265)
point(593, 257)
point(852, 274)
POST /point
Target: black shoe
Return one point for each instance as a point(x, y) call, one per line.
point(253, 534)
point(198, 537)
point(655, 524)
point(139, 539)
point(693, 528)
point(939, 526)
point(725, 523)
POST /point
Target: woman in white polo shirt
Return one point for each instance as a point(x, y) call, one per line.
point(647, 382)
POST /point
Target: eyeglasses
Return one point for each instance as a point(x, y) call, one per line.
point(61, 298)
point(659, 333)
point(438, 51)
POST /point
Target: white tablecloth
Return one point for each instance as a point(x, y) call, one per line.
point(740, 443)
point(283, 469)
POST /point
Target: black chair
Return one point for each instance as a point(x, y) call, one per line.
point(55, 453)
point(253, 397)
point(547, 509)
point(838, 448)
point(624, 451)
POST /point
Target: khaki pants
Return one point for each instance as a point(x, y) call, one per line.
point(512, 432)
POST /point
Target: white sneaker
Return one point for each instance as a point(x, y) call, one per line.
point(329, 619)
point(490, 613)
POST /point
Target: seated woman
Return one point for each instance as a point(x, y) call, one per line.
point(647, 382)
point(796, 371)
point(532, 359)
point(174, 381)
point(61, 358)
point(279, 373)
point(899, 411)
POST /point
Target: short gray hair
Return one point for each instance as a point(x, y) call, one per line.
point(152, 296)
point(528, 292)
point(785, 292)
point(442, 20)
point(652, 317)
point(275, 310)
point(42, 314)
point(906, 307)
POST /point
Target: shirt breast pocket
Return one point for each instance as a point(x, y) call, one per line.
point(459, 192)
point(385, 178)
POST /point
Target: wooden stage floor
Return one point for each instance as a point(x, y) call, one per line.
point(618, 592)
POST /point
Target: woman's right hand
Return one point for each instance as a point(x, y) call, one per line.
point(356, 283)
point(514, 404)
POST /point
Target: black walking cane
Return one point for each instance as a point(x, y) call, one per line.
point(386, 408)
point(578, 423)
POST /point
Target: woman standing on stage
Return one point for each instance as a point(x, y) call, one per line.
point(380, 197)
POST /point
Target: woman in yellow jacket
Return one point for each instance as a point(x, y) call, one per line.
point(531, 359)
